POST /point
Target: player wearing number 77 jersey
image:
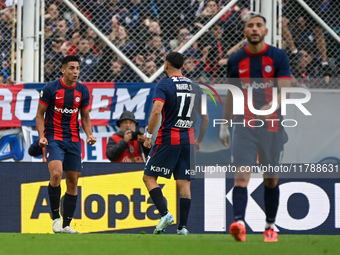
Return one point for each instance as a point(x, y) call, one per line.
point(178, 100)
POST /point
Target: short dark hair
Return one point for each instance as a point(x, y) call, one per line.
point(69, 58)
point(252, 15)
point(175, 59)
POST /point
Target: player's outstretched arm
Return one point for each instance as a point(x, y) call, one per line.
point(40, 123)
point(87, 126)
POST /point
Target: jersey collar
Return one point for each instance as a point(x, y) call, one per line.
point(257, 54)
point(61, 81)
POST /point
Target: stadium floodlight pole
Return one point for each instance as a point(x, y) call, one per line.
point(280, 25)
point(266, 11)
point(251, 5)
point(319, 20)
point(36, 41)
point(42, 43)
point(196, 36)
point(274, 22)
point(19, 42)
point(107, 41)
point(28, 37)
point(257, 6)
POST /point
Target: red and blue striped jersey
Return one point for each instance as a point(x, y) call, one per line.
point(64, 103)
point(260, 72)
point(182, 101)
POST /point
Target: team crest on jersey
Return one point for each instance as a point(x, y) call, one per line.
point(77, 99)
point(41, 93)
point(132, 149)
point(268, 69)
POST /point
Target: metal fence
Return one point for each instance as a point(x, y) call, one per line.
point(144, 31)
point(313, 52)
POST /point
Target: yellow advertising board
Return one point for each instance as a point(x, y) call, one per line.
point(107, 202)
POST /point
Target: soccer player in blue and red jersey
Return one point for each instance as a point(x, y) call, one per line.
point(260, 67)
point(178, 100)
point(60, 101)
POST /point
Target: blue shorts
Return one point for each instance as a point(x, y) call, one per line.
point(250, 144)
point(163, 160)
point(67, 152)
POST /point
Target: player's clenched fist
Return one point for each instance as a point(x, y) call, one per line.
point(91, 140)
point(43, 142)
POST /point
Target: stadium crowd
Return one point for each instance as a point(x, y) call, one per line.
point(146, 30)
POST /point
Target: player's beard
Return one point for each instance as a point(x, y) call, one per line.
point(255, 42)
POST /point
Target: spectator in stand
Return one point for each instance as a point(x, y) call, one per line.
point(194, 69)
point(155, 49)
point(66, 13)
point(51, 72)
point(101, 13)
point(308, 69)
point(210, 10)
point(93, 39)
point(148, 28)
point(5, 73)
point(301, 15)
point(119, 72)
point(62, 29)
point(155, 28)
point(88, 61)
point(74, 44)
point(240, 45)
point(215, 72)
point(54, 53)
point(52, 16)
point(149, 67)
point(6, 17)
point(171, 15)
point(120, 38)
point(183, 37)
point(139, 10)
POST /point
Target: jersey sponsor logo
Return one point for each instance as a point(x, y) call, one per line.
point(160, 169)
point(180, 79)
point(258, 85)
point(190, 172)
point(101, 206)
point(184, 123)
point(65, 110)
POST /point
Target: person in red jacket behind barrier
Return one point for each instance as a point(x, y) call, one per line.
point(127, 144)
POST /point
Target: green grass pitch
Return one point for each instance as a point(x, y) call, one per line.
point(125, 244)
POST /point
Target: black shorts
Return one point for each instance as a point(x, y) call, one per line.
point(165, 160)
point(67, 152)
point(292, 10)
point(250, 144)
